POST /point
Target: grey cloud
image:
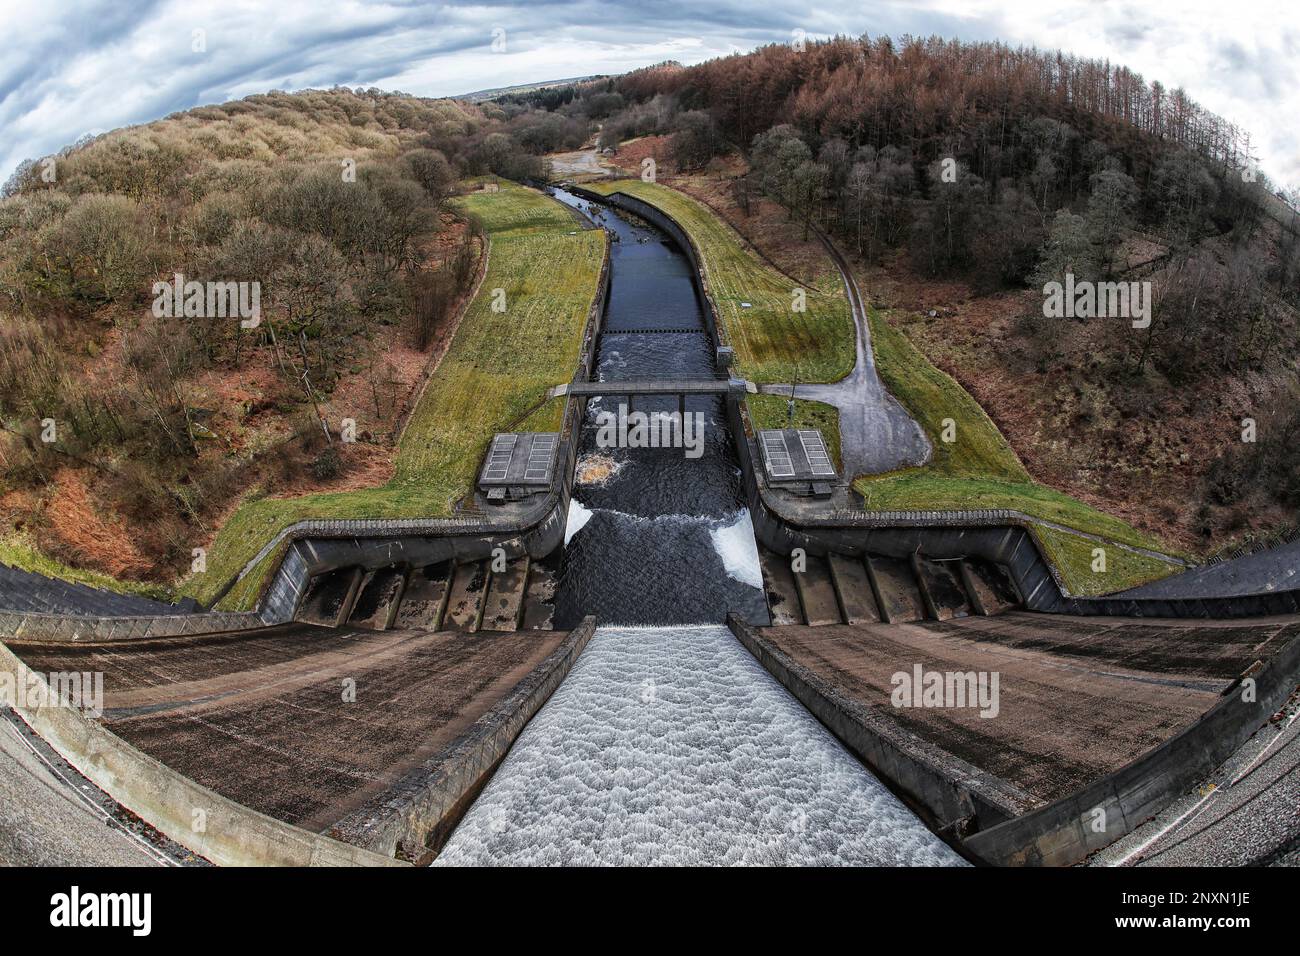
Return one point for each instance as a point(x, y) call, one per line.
point(386, 42)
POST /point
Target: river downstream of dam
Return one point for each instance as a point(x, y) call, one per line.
point(668, 743)
point(656, 535)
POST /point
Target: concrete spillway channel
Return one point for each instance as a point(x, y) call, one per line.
point(673, 746)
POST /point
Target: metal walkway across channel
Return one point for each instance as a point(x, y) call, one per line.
point(657, 386)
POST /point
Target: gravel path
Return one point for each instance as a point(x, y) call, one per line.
point(876, 432)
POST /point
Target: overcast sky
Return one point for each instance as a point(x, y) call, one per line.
point(71, 67)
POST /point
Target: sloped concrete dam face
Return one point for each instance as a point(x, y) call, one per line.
point(672, 745)
point(300, 722)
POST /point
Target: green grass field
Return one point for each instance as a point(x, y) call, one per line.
point(493, 377)
point(773, 342)
point(514, 209)
point(978, 469)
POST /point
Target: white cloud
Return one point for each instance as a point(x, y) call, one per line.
point(83, 66)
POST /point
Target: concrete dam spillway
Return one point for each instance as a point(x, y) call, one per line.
point(673, 746)
point(578, 701)
point(668, 743)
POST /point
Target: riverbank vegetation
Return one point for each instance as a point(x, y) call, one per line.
point(963, 177)
point(782, 330)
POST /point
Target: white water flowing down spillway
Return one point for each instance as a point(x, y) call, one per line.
point(673, 746)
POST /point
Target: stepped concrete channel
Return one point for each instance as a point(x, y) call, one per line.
point(680, 742)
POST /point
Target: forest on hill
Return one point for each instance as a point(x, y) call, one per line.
point(969, 175)
point(333, 202)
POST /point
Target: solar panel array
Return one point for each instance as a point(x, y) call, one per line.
point(795, 455)
point(499, 455)
point(819, 460)
point(520, 460)
point(540, 457)
point(779, 464)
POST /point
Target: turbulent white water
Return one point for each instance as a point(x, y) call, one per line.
point(739, 552)
point(577, 519)
point(672, 745)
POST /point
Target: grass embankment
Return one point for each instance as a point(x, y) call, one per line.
point(773, 342)
point(17, 552)
point(978, 469)
point(494, 375)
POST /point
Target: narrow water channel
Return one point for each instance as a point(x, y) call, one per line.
point(655, 536)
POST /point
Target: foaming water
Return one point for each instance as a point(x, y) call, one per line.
point(673, 746)
point(577, 520)
point(739, 553)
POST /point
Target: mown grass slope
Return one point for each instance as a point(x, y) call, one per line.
point(978, 470)
point(773, 342)
point(494, 375)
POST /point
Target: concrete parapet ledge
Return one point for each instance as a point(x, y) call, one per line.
point(414, 818)
point(1068, 830)
point(202, 821)
point(37, 628)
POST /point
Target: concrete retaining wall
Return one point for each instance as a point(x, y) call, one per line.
point(63, 629)
point(231, 834)
point(413, 819)
point(1003, 536)
point(1064, 832)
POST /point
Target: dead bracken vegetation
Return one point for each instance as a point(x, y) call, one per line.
point(127, 437)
